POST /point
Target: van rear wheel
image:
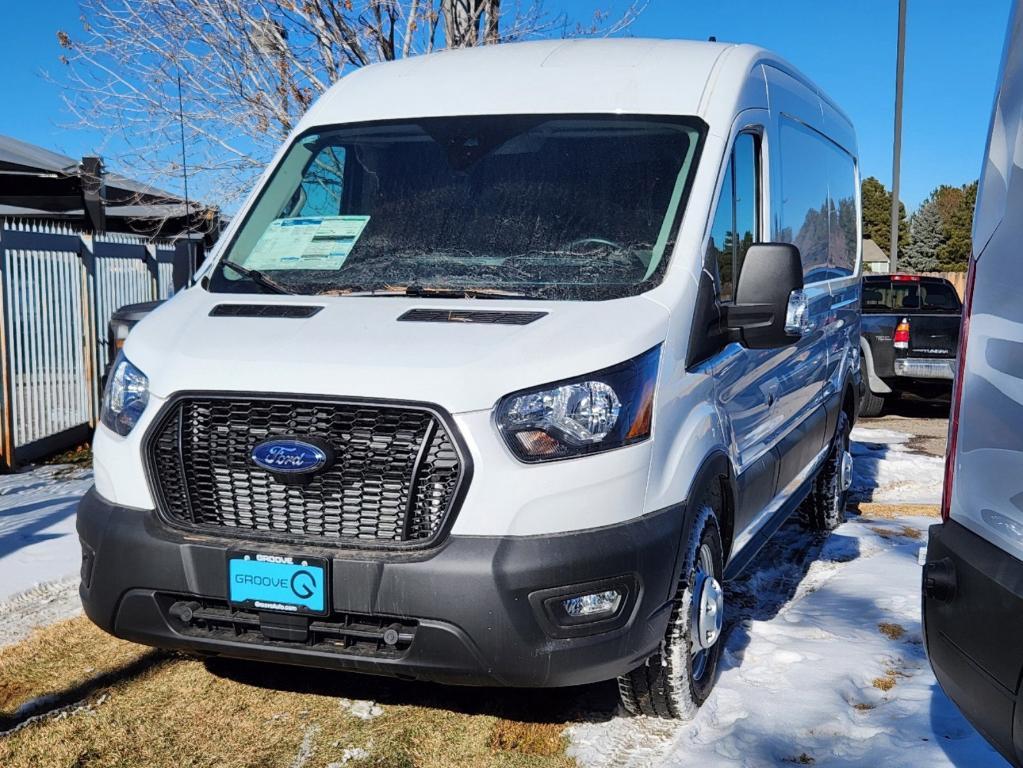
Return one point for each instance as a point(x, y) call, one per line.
point(824, 509)
point(675, 681)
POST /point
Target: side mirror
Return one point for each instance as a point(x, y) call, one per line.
point(770, 309)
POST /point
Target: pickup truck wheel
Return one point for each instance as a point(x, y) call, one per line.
point(824, 509)
point(675, 681)
point(871, 404)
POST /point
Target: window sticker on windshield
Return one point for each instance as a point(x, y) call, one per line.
point(309, 242)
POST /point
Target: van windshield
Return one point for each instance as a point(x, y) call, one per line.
point(547, 207)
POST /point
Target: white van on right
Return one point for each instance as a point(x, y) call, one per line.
point(973, 577)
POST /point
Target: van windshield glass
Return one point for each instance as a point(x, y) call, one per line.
point(547, 207)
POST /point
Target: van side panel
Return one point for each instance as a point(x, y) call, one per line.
point(988, 492)
point(689, 430)
point(973, 578)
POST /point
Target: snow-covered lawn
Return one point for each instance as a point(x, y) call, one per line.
point(824, 661)
point(39, 554)
point(886, 469)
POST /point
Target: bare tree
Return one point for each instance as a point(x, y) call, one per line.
point(250, 68)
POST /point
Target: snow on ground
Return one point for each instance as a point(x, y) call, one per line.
point(806, 685)
point(824, 662)
point(39, 555)
point(886, 469)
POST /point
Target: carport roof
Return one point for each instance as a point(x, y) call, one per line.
point(18, 156)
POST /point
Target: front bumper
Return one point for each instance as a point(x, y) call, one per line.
point(926, 368)
point(472, 609)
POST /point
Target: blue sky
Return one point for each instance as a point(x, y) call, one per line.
point(952, 56)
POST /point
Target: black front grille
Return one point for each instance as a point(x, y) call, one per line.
point(394, 479)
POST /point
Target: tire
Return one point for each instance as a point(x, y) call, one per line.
point(673, 683)
point(824, 509)
point(870, 404)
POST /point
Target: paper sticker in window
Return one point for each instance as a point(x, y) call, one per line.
point(309, 242)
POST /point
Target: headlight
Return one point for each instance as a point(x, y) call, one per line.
point(597, 412)
point(126, 396)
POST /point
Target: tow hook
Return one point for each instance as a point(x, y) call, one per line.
point(940, 581)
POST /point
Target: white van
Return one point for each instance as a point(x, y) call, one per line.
point(514, 355)
point(973, 576)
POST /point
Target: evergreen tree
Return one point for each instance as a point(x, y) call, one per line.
point(877, 215)
point(956, 206)
point(928, 236)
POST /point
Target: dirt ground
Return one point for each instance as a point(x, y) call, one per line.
point(927, 422)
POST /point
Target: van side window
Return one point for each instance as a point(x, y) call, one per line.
point(746, 203)
point(734, 228)
point(804, 193)
point(818, 206)
point(843, 220)
point(721, 239)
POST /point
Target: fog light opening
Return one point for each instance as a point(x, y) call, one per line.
point(596, 605)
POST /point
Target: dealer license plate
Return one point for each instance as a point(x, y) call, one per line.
point(282, 583)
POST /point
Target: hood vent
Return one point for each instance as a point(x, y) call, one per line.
point(486, 317)
point(264, 310)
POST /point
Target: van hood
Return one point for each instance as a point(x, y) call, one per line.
point(357, 347)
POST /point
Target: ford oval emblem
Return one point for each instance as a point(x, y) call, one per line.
point(290, 456)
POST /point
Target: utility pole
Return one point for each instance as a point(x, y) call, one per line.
point(900, 64)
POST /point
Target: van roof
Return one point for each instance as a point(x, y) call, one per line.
point(627, 75)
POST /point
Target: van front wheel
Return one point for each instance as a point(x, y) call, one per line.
point(675, 681)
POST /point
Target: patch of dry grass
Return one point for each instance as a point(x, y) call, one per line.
point(79, 456)
point(885, 683)
point(182, 713)
point(889, 679)
point(544, 739)
point(60, 658)
point(892, 511)
point(891, 631)
point(894, 533)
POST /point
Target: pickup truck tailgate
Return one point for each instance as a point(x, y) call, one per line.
point(932, 335)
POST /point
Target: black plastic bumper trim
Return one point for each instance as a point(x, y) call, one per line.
point(469, 596)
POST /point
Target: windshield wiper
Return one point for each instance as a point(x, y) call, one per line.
point(427, 292)
point(440, 292)
point(257, 277)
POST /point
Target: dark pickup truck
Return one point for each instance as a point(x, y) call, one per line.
point(910, 337)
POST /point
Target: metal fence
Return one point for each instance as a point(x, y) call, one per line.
point(58, 289)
